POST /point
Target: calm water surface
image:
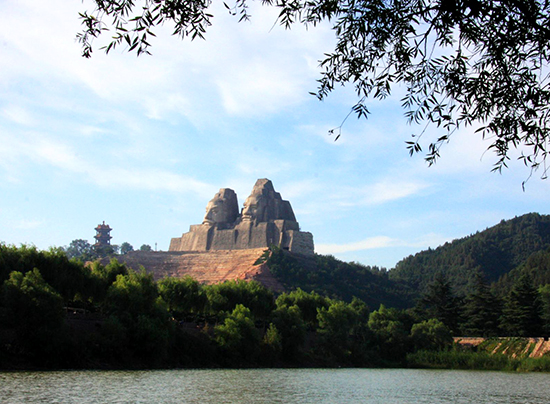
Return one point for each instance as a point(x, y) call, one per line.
point(340, 386)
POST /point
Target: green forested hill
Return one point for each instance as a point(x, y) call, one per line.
point(337, 279)
point(538, 267)
point(500, 253)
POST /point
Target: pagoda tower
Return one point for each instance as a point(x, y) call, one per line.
point(102, 237)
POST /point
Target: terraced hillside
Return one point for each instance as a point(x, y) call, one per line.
point(206, 267)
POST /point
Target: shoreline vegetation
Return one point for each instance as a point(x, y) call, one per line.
point(507, 354)
point(57, 313)
point(468, 360)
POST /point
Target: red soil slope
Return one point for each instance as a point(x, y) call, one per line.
point(206, 267)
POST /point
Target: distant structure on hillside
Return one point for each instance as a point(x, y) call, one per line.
point(266, 219)
point(102, 236)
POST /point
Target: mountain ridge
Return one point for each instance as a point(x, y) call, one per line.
point(494, 252)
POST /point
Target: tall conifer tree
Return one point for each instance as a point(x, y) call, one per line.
point(440, 302)
point(481, 310)
point(521, 312)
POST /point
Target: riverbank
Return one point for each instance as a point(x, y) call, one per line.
point(506, 354)
point(513, 347)
point(476, 361)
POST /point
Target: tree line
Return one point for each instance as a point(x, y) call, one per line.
point(82, 250)
point(57, 312)
point(523, 312)
point(518, 305)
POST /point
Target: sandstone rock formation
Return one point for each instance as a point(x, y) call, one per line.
point(266, 219)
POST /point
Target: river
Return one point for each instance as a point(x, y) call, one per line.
point(342, 386)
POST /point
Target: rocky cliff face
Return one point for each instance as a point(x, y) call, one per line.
point(266, 219)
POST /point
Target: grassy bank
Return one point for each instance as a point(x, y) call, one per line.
point(469, 360)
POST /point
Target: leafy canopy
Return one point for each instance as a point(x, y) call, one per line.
point(462, 63)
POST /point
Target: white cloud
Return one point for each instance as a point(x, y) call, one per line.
point(18, 114)
point(27, 224)
point(366, 244)
point(149, 179)
point(379, 193)
point(161, 108)
point(89, 130)
point(42, 149)
point(257, 89)
point(428, 240)
point(391, 190)
point(241, 69)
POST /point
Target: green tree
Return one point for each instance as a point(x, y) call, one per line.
point(81, 250)
point(102, 251)
point(145, 247)
point(182, 295)
point(482, 310)
point(238, 334)
point(390, 328)
point(544, 293)
point(68, 277)
point(337, 327)
point(133, 295)
point(431, 335)
point(292, 329)
point(125, 248)
point(476, 63)
point(32, 300)
point(521, 312)
point(337, 322)
point(388, 325)
point(308, 303)
point(102, 277)
point(439, 302)
point(272, 346)
point(134, 301)
point(35, 311)
point(109, 272)
point(225, 296)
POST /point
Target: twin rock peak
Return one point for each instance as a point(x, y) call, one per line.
point(266, 219)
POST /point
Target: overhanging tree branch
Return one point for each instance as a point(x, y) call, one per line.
point(465, 63)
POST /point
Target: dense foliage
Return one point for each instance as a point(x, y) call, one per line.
point(494, 252)
point(56, 312)
point(523, 312)
point(340, 280)
point(537, 266)
point(84, 251)
point(112, 316)
point(467, 307)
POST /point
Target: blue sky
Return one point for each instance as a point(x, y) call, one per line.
point(144, 143)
